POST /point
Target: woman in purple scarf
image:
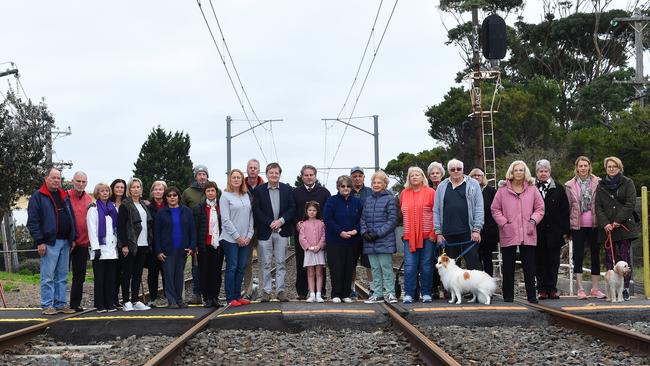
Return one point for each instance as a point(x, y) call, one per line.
point(102, 232)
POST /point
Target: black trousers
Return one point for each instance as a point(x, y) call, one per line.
point(210, 265)
point(301, 271)
point(340, 259)
point(471, 258)
point(589, 236)
point(132, 266)
point(104, 271)
point(118, 276)
point(154, 269)
point(547, 264)
point(509, 254)
point(485, 250)
point(79, 263)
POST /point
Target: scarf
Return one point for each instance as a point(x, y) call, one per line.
point(415, 205)
point(543, 188)
point(585, 193)
point(213, 225)
point(103, 210)
point(612, 183)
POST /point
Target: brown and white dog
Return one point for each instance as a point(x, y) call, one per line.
point(614, 279)
point(458, 281)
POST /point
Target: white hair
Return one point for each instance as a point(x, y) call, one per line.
point(454, 163)
point(542, 164)
point(436, 165)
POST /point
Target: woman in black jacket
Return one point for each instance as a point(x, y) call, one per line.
point(615, 200)
point(490, 231)
point(552, 231)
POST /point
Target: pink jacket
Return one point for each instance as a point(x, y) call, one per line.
point(512, 214)
point(574, 202)
point(312, 234)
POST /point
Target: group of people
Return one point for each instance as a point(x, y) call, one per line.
point(122, 233)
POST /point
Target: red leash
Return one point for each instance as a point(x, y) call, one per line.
point(609, 244)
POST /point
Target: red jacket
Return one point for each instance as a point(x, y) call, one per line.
point(512, 214)
point(79, 210)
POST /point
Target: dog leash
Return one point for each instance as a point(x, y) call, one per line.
point(609, 244)
point(445, 244)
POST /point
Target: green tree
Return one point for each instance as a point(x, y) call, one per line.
point(397, 168)
point(164, 156)
point(25, 130)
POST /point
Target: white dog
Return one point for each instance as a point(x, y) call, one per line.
point(614, 279)
point(457, 281)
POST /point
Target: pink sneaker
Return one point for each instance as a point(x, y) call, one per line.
point(582, 295)
point(595, 292)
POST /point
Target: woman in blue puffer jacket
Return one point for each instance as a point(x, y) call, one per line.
point(378, 222)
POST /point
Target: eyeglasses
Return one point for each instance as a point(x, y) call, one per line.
point(455, 169)
point(344, 186)
point(172, 195)
point(477, 175)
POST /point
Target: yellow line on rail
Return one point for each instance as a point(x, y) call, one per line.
point(250, 313)
point(133, 317)
point(18, 320)
point(604, 307)
point(469, 308)
point(6, 309)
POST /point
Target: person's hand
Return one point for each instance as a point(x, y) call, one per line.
point(345, 235)
point(609, 227)
point(98, 253)
point(353, 232)
point(299, 225)
point(162, 257)
point(476, 236)
point(440, 239)
point(188, 251)
point(616, 224)
point(247, 241)
point(42, 249)
point(125, 251)
point(73, 246)
point(276, 224)
point(240, 241)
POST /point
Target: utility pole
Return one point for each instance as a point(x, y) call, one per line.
point(375, 134)
point(230, 136)
point(477, 108)
point(637, 23)
point(53, 135)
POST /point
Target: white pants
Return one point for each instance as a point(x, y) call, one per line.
point(274, 246)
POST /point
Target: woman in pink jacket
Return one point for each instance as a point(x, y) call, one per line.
point(517, 209)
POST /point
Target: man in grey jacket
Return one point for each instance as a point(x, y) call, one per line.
point(458, 215)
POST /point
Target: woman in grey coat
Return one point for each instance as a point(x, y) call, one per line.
point(378, 222)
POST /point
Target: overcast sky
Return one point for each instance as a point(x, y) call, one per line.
point(114, 70)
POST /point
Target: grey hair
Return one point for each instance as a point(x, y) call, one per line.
point(455, 163)
point(542, 164)
point(253, 160)
point(80, 173)
point(436, 165)
point(343, 179)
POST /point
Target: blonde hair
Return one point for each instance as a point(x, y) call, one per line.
point(381, 175)
point(414, 169)
point(128, 186)
point(243, 189)
point(616, 161)
point(98, 187)
point(583, 158)
point(527, 176)
point(157, 183)
point(483, 181)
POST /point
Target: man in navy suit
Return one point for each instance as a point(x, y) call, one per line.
point(273, 210)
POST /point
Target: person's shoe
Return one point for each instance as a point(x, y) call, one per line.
point(374, 299)
point(208, 304)
point(140, 306)
point(243, 301)
point(182, 305)
point(79, 309)
point(626, 294)
point(196, 299)
point(353, 294)
point(408, 299)
point(595, 292)
point(234, 303)
point(542, 295)
point(265, 297)
point(582, 295)
point(50, 311)
point(347, 300)
point(426, 298)
point(319, 298)
point(118, 305)
point(173, 306)
point(127, 306)
point(152, 304)
point(336, 300)
point(508, 299)
point(554, 295)
point(391, 299)
point(533, 301)
point(67, 310)
point(99, 311)
point(111, 310)
point(311, 298)
point(282, 297)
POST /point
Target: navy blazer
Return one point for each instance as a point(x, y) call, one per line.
point(263, 212)
point(163, 231)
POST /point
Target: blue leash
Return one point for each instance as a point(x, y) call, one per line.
point(445, 244)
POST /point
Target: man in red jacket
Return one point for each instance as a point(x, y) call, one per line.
point(79, 200)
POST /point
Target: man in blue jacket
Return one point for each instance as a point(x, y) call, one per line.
point(273, 210)
point(51, 223)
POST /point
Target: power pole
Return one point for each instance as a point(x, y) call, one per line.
point(374, 134)
point(477, 108)
point(637, 23)
point(230, 136)
point(53, 135)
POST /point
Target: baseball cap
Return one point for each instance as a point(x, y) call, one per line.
point(356, 169)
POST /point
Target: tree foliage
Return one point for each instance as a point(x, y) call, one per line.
point(164, 156)
point(398, 167)
point(25, 130)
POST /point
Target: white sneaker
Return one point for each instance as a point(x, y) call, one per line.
point(408, 299)
point(319, 298)
point(140, 306)
point(311, 297)
point(347, 300)
point(127, 306)
point(373, 300)
point(391, 298)
point(336, 300)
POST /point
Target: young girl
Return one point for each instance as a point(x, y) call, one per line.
point(312, 241)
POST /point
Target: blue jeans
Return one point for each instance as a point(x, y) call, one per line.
point(54, 274)
point(421, 261)
point(236, 259)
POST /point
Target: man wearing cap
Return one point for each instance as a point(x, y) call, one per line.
point(360, 191)
point(191, 197)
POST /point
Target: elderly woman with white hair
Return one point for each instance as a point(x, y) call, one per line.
point(458, 215)
point(517, 209)
point(552, 231)
point(436, 172)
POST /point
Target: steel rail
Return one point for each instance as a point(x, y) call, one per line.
point(22, 335)
point(430, 352)
point(613, 335)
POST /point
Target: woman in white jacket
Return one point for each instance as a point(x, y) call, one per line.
point(102, 232)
